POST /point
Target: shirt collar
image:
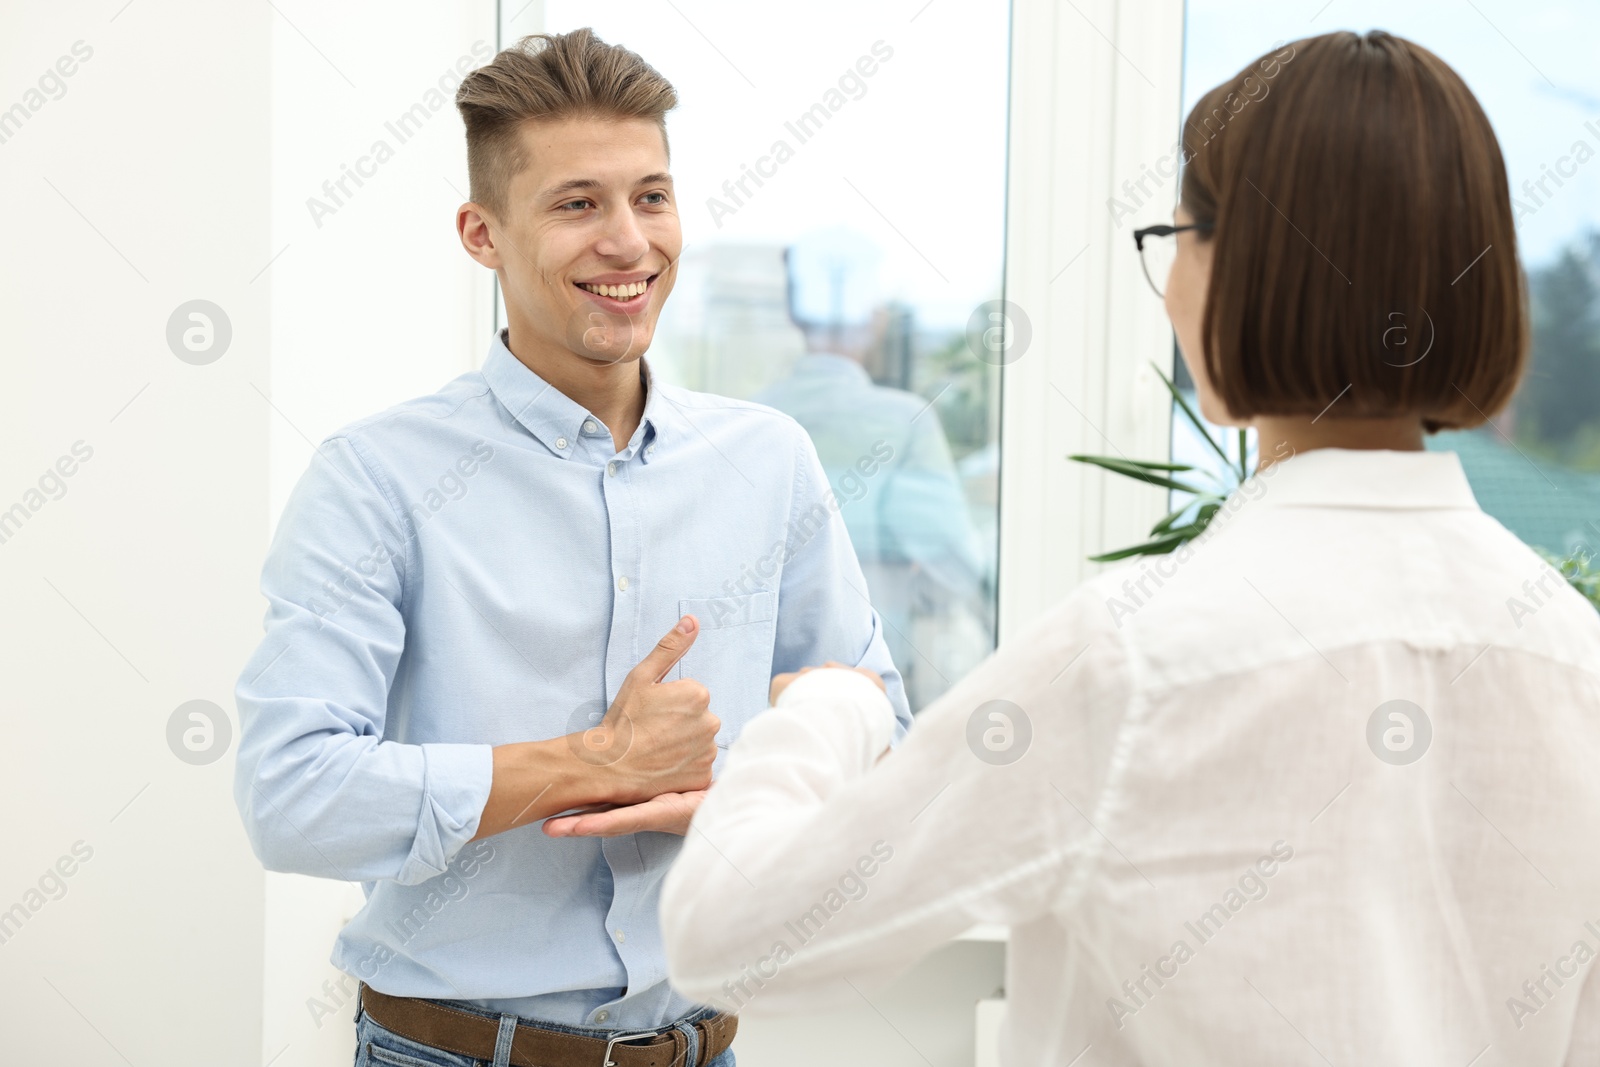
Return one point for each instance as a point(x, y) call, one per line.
point(659, 412)
point(555, 419)
point(1367, 478)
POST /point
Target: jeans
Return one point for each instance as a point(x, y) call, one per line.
point(377, 1047)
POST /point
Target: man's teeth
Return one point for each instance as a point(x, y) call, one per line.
point(616, 292)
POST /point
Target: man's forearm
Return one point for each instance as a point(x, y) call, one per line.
point(534, 780)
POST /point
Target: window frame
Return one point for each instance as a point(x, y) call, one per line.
point(1096, 88)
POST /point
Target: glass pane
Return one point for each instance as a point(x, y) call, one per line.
point(831, 267)
point(1531, 65)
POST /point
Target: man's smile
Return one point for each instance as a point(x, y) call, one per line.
point(624, 293)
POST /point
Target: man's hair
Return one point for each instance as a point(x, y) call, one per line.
point(550, 76)
point(1361, 218)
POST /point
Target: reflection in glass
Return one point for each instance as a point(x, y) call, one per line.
point(885, 453)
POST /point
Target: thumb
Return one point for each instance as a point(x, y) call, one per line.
point(668, 651)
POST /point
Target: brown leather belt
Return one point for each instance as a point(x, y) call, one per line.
point(466, 1034)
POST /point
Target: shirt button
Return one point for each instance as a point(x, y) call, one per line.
point(590, 427)
point(622, 583)
point(561, 442)
point(611, 469)
point(621, 937)
point(601, 1016)
point(650, 451)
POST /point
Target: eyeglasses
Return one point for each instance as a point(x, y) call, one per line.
point(1157, 256)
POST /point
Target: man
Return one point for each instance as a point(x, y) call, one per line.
point(908, 518)
point(466, 593)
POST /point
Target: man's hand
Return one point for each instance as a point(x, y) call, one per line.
point(665, 812)
point(669, 813)
point(657, 737)
point(781, 682)
point(660, 738)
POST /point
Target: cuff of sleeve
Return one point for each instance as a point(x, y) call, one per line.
point(855, 697)
point(456, 782)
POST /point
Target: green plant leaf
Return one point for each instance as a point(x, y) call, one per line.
point(1130, 470)
point(1166, 524)
point(1209, 503)
point(1168, 534)
point(1159, 547)
point(1189, 531)
point(1580, 572)
point(1150, 464)
point(1194, 419)
point(1146, 464)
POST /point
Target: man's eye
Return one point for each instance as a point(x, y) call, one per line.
point(576, 205)
point(656, 198)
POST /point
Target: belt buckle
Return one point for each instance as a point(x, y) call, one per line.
point(609, 1062)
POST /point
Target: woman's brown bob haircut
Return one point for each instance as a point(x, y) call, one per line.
point(550, 76)
point(1365, 259)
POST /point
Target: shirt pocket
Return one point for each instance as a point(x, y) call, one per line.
point(732, 656)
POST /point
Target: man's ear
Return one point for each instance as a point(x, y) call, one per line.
point(479, 235)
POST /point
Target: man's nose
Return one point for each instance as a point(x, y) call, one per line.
point(622, 238)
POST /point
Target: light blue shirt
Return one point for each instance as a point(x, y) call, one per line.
point(480, 567)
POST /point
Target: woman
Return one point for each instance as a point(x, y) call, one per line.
point(1306, 791)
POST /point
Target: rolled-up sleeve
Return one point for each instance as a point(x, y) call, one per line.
point(825, 609)
point(320, 789)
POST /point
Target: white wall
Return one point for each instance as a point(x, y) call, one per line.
point(176, 165)
point(143, 186)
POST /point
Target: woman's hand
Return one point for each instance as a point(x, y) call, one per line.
point(781, 682)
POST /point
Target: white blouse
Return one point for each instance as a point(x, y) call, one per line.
point(1321, 788)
